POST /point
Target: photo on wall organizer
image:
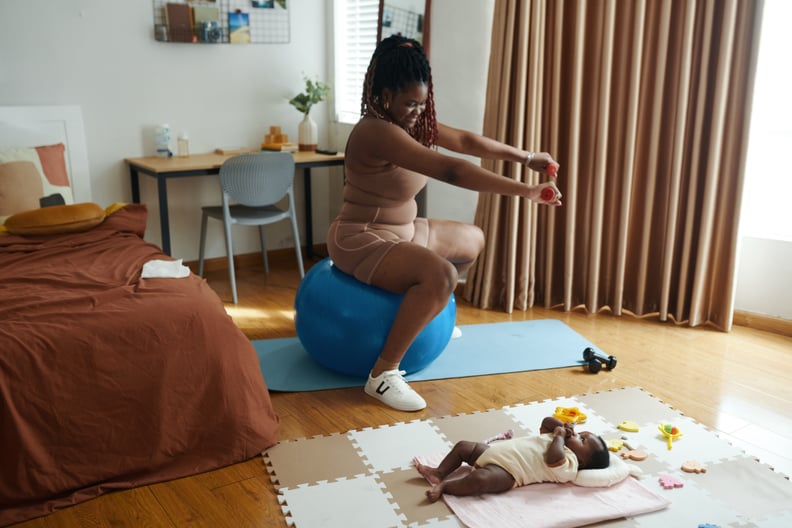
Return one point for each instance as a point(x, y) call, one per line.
point(238, 27)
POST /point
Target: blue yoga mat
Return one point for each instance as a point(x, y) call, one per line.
point(483, 349)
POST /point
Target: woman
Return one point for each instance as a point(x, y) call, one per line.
point(377, 237)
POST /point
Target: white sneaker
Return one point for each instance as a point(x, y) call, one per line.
point(391, 389)
point(456, 333)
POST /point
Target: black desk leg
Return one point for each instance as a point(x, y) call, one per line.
point(308, 214)
point(134, 180)
point(162, 192)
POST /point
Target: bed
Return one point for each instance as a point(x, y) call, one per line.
point(109, 380)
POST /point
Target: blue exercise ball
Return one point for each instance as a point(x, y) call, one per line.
point(342, 323)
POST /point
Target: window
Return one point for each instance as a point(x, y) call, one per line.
point(355, 40)
point(768, 173)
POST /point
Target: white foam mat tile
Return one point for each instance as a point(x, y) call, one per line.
point(696, 443)
point(690, 506)
point(354, 503)
point(389, 447)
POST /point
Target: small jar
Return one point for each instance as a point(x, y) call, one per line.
point(183, 146)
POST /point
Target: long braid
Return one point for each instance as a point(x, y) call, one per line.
point(397, 63)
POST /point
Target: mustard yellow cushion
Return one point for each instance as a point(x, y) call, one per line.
point(113, 207)
point(56, 219)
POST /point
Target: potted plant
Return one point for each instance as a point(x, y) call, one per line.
point(315, 92)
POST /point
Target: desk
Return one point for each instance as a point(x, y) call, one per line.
point(209, 164)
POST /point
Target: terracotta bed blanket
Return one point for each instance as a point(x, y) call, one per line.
point(110, 381)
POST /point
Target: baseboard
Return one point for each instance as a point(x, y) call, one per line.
point(254, 259)
point(765, 323)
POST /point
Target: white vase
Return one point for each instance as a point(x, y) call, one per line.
point(307, 134)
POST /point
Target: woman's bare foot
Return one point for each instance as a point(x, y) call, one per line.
point(429, 473)
point(435, 493)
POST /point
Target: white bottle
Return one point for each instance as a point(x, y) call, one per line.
point(183, 145)
point(162, 138)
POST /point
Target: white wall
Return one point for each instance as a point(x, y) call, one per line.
point(764, 279)
point(459, 49)
point(101, 55)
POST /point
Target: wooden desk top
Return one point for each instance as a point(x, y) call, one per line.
point(212, 160)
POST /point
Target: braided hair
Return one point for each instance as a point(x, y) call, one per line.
point(397, 63)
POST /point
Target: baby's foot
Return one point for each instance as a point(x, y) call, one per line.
point(435, 493)
point(429, 473)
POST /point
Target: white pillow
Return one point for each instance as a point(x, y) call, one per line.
point(617, 471)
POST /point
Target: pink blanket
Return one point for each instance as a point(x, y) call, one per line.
point(552, 505)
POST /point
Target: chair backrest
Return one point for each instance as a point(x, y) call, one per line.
point(256, 179)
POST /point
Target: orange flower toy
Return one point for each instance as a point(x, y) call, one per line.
point(671, 432)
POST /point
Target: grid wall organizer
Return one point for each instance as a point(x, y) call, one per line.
point(222, 21)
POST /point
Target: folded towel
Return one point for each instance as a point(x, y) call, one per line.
point(154, 269)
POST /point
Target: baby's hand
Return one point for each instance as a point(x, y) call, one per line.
point(564, 431)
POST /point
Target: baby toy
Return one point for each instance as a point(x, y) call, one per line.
point(629, 426)
point(693, 466)
point(570, 415)
point(669, 482)
point(500, 436)
point(635, 454)
point(671, 432)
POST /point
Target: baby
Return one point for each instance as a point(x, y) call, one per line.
point(555, 455)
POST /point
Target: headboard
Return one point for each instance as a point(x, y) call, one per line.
point(28, 126)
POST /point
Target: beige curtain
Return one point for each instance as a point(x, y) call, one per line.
point(645, 104)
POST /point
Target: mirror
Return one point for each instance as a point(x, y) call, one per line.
point(409, 18)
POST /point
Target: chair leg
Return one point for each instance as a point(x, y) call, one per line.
point(202, 246)
point(297, 247)
point(263, 248)
point(230, 253)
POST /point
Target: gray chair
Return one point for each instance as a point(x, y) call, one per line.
point(251, 185)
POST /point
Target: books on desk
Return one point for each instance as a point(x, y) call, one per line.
point(280, 147)
point(226, 151)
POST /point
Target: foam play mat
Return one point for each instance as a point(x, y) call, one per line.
point(365, 478)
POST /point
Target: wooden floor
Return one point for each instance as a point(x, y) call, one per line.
point(739, 384)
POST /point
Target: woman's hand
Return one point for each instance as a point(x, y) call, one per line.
point(546, 193)
point(542, 162)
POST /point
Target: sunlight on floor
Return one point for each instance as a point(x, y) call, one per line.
point(238, 313)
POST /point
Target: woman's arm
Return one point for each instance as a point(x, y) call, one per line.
point(377, 141)
point(466, 142)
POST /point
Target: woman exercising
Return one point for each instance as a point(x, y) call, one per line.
point(377, 236)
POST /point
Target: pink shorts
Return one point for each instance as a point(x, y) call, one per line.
point(358, 248)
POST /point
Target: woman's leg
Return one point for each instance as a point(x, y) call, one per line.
point(458, 243)
point(426, 277)
point(426, 280)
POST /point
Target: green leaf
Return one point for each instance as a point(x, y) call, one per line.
point(315, 92)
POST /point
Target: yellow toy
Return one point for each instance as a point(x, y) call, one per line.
point(570, 415)
point(670, 432)
point(628, 426)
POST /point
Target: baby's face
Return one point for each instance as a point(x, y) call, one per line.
point(583, 444)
